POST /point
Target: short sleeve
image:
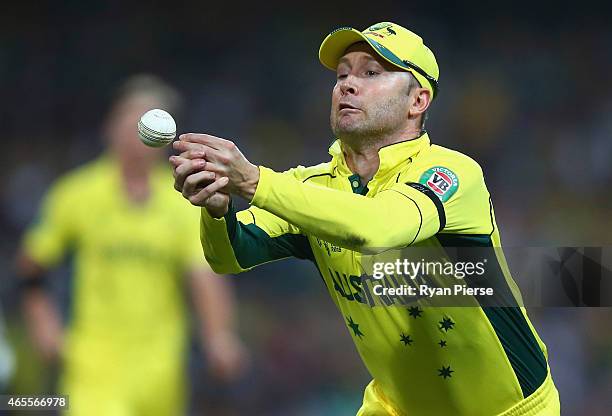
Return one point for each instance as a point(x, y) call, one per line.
point(461, 197)
point(52, 232)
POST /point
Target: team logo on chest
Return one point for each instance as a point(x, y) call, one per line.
point(442, 181)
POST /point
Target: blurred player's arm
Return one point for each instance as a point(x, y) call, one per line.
point(40, 311)
point(43, 247)
point(214, 302)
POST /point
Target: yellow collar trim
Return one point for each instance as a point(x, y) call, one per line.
point(391, 156)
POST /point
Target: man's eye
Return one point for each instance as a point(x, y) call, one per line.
point(371, 73)
point(342, 76)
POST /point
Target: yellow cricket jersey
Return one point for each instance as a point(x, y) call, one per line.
point(129, 262)
point(480, 360)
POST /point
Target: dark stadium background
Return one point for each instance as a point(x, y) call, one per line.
point(525, 89)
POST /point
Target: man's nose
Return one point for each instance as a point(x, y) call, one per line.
point(348, 86)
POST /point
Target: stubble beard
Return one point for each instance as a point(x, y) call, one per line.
point(372, 125)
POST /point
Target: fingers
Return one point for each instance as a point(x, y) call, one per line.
point(183, 168)
point(195, 148)
point(218, 157)
point(199, 151)
point(195, 181)
point(176, 161)
point(193, 165)
point(193, 154)
point(207, 139)
point(202, 196)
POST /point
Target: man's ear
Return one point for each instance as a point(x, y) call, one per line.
point(421, 98)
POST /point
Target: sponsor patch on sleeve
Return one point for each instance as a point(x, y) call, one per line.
point(442, 181)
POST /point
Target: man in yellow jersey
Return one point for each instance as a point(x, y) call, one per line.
point(386, 187)
point(136, 253)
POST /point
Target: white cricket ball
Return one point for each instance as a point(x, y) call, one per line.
point(156, 128)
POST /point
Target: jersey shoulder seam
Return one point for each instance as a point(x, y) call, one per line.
point(307, 173)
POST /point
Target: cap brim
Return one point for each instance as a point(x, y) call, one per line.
point(333, 46)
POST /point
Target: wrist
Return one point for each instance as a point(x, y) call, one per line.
point(216, 213)
point(249, 186)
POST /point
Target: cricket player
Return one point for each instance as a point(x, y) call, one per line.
point(387, 186)
point(136, 254)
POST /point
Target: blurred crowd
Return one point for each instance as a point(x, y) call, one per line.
point(528, 97)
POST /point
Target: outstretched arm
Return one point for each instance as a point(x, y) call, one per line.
point(234, 242)
point(394, 217)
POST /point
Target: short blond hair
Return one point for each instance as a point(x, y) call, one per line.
point(149, 85)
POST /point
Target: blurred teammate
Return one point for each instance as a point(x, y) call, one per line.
point(136, 253)
point(386, 187)
point(7, 361)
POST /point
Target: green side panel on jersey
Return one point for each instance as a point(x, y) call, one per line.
point(520, 345)
point(504, 314)
point(253, 246)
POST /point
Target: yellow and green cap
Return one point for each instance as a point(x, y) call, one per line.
point(396, 44)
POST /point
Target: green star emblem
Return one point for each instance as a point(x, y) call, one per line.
point(355, 327)
point(406, 339)
point(415, 311)
point(446, 324)
point(445, 372)
point(442, 343)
